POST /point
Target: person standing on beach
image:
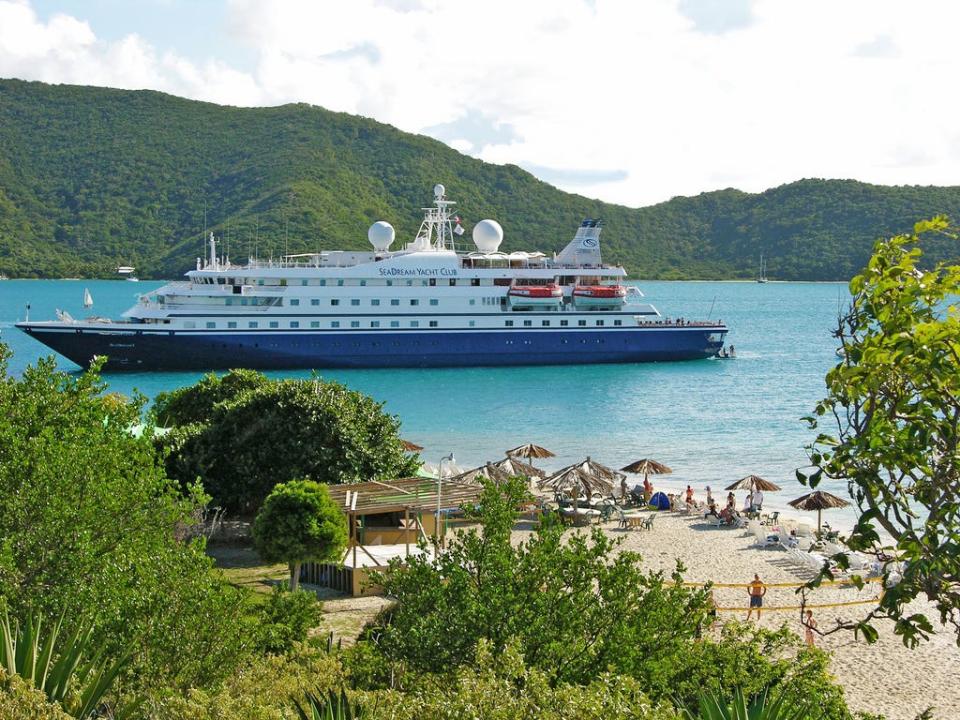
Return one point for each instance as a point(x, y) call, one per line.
point(810, 624)
point(647, 490)
point(756, 590)
point(689, 495)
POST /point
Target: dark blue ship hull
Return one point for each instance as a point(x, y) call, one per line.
point(139, 350)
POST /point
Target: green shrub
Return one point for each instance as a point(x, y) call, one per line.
point(287, 617)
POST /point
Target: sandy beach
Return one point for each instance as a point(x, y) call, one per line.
point(885, 677)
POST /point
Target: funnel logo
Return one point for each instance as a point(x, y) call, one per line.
point(588, 243)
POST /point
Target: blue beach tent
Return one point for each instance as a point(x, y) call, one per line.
point(660, 501)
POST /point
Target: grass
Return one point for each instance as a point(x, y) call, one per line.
point(343, 615)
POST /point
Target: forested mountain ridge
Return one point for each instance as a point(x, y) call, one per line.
point(91, 178)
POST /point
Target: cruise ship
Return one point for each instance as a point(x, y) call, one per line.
point(427, 304)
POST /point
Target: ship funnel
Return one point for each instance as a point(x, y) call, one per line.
point(584, 249)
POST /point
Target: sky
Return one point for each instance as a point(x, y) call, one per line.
point(629, 101)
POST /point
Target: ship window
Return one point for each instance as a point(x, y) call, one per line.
point(473, 323)
point(315, 301)
point(618, 323)
point(433, 282)
point(433, 323)
point(564, 323)
point(389, 283)
point(294, 323)
point(355, 301)
point(545, 323)
point(395, 301)
point(354, 323)
point(323, 283)
point(527, 323)
point(473, 301)
point(335, 324)
point(374, 323)
point(414, 323)
point(220, 281)
point(394, 323)
point(339, 283)
point(582, 323)
point(303, 282)
point(211, 325)
point(314, 323)
point(283, 282)
point(253, 324)
point(294, 301)
point(374, 302)
point(453, 283)
point(414, 302)
point(363, 283)
point(335, 301)
point(433, 301)
point(599, 323)
point(243, 301)
point(274, 324)
point(189, 324)
point(228, 301)
point(509, 323)
point(409, 283)
point(231, 325)
point(260, 281)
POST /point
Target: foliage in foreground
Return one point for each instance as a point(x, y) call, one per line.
point(762, 706)
point(19, 700)
point(243, 433)
point(573, 610)
point(89, 528)
point(889, 426)
point(297, 523)
point(71, 672)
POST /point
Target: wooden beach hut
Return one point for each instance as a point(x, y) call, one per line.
point(385, 520)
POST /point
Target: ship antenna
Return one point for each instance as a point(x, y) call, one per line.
point(710, 314)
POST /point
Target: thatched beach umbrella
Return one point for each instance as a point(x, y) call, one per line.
point(645, 467)
point(489, 471)
point(409, 446)
point(514, 467)
point(818, 500)
point(754, 482)
point(593, 477)
point(530, 450)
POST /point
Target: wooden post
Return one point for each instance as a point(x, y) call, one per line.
point(406, 529)
point(353, 522)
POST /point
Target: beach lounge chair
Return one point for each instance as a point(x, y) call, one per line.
point(648, 521)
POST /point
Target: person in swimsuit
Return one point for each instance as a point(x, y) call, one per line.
point(756, 590)
point(689, 495)
point(811, 625)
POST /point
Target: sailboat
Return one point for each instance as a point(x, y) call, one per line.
point(763, 271)
point(87, 299)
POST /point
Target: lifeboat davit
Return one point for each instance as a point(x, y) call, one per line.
point(535, 295)
point(599, 295)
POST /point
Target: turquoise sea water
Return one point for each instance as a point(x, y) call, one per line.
point(712, 421)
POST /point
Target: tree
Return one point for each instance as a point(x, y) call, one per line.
point(88, 530)
point(242, 434)
point(890, 427)
point(574, 608)
point(298, 523)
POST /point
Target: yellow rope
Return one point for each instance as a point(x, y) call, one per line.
point(799, 607)
point(779, 585)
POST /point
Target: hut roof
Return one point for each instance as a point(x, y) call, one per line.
point(514, 467)
point(415, 494)
point(488, 471)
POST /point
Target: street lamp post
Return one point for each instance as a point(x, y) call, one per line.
point(445, 458)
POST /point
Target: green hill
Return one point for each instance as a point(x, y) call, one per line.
point(91, 178)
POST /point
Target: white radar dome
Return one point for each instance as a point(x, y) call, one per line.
point(439, 191)
point(380, 235)
point(487, 236)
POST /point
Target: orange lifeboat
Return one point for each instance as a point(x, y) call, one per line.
point(599, 295)
point(535, 295)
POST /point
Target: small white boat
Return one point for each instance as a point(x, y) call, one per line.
point(87, 298)
point(127, 272)
point(763, 271)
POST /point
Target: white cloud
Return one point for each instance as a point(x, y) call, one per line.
point(631, 102)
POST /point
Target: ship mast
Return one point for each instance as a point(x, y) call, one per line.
point(436, 218)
